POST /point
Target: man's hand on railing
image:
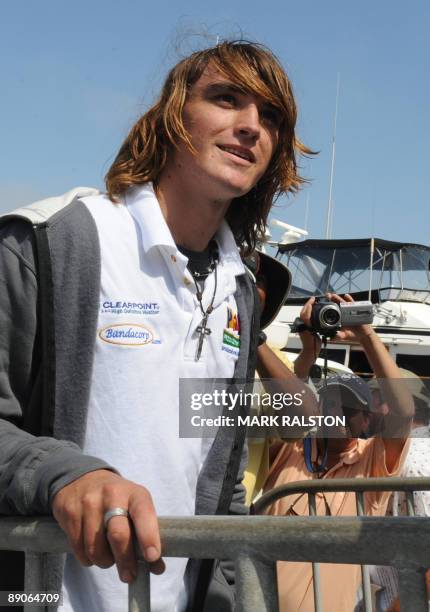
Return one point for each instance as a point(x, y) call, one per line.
point(79, 508)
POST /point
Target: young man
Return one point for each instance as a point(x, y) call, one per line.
point(109, 299)
point(339, 454)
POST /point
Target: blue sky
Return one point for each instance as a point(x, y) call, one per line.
point(75, 75)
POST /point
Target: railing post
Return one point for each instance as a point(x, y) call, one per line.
point(410, 503)
point(365, 575)
point(316, 577)
point(139, 592)
point(33, 580)
point(413, 591)
point(256, 585)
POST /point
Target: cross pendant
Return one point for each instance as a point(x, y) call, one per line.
point(204, 331)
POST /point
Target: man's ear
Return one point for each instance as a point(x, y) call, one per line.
point(366, 416)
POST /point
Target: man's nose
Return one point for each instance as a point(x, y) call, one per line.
point(248, 123)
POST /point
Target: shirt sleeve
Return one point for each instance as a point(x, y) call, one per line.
point(377, 500)
point(32, 468)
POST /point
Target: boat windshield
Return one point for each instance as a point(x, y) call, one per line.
point(400, 274)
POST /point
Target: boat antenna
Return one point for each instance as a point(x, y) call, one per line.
point(333, 153)
point(330, 234)
point(373, 211)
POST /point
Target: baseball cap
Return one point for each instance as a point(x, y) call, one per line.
point(350, 386)
point(278, 280)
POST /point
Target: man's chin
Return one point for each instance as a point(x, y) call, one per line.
point(229, 192)
point(240, 191)
point(236, 184)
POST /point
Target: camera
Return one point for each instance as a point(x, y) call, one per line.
point(327, 317)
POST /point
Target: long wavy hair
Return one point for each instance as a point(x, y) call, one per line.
point(255, 69)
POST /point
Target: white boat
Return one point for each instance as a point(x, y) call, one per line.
point(394, 276)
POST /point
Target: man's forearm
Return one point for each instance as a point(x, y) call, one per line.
point(283, 380)
point(394, 390)
point(270, 366)
point(303, 364)
point(311, 346)
point(34, 468)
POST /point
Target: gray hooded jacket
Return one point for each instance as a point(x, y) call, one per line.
point(50, 284)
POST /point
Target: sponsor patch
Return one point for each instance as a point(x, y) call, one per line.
point(127, 334)
point(231, 339)
point(230, 342)
point(231, 351)
point(129, 307)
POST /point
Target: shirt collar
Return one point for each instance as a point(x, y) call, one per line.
point(353, 454)
point(228, 251)
point(143, 205)
point(348, 457)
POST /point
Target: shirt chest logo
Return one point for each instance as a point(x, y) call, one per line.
point(127, 334)
point(119, 307)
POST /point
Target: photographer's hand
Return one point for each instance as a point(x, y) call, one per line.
point(350, 334)
point(311, 344)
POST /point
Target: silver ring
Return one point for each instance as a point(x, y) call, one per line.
point(114, 512)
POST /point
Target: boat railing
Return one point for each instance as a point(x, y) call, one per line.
point(255, 543)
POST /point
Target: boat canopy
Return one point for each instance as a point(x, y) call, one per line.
point(369, 268)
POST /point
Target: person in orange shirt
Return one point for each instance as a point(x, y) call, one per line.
point(343, 455)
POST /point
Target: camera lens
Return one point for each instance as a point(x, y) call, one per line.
point(330, 316)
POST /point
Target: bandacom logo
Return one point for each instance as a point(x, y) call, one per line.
point(126, 334)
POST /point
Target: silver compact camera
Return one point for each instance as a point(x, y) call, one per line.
point(327, 317)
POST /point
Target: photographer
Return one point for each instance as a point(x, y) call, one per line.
point(338, 453)
point(275, 373)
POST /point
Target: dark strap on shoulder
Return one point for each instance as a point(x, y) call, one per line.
point(231, 473)
point(46, 300)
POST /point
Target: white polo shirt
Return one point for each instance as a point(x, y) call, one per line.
point(146, 340)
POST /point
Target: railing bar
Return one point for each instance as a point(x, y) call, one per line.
point(256, 585)
point(412, 589)
point(290, 538)
point(139, 591)
point(345, 485)
point(365, 574)
point(316, 576)
point(410, 503)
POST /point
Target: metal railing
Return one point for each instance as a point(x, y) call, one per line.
point(255, 543)
point(359, 486)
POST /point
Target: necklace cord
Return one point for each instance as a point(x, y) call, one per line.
point(202, 329)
